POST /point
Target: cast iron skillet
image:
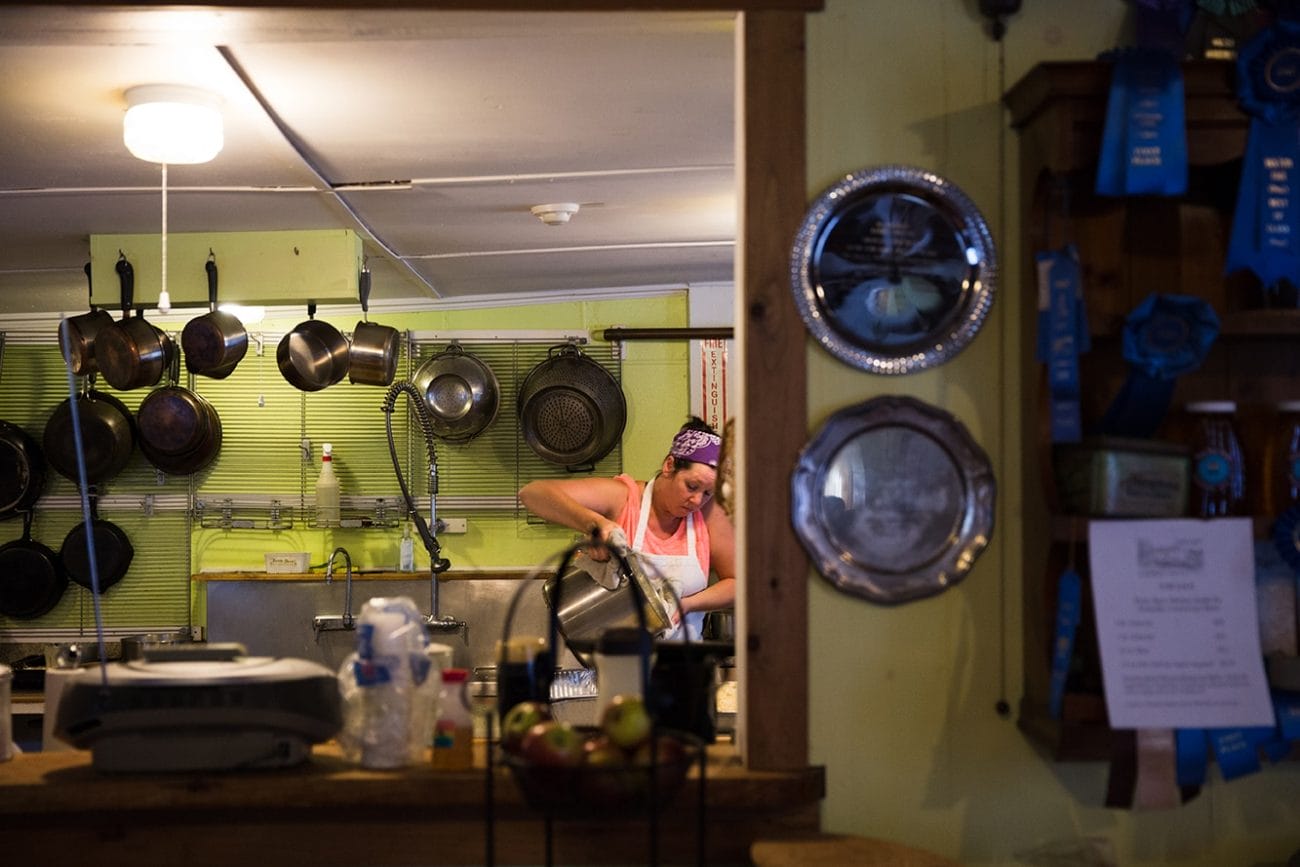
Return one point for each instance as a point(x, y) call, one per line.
point(32, 579)
point(113, 551)
point(22, 470)
point(107, 434)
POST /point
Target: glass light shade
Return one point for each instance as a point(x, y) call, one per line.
point(172, 124)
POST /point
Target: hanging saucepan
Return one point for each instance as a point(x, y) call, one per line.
point(372, 357)
point(215, 342)
point(113, 551)
point(180, 431)
point(107, 436)
point(314, 355)
point(461, 392)
point(571, 409)
point(32, 579)
point(77, 334)
point(132, 352)
point(22, 470)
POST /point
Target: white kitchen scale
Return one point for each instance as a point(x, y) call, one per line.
point(200, 707)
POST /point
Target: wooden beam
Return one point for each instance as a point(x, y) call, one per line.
point(772, 425)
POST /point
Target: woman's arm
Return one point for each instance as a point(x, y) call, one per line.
point(585, 505)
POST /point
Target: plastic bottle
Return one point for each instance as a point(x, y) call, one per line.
point(453, 733)
point(327, 490)
point(406, 555)
point(1218, 467)
point(619, 652)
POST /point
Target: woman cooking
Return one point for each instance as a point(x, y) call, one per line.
point(671, 520)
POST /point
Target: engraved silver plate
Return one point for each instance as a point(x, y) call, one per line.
point(893, 269)
point(893, 500)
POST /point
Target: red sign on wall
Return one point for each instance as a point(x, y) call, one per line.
point(713, 382)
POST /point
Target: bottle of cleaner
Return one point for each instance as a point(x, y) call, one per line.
point(453, 733)
point(406, 555)
point(327, 490)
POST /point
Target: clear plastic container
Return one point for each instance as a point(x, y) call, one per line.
point(1218, 466)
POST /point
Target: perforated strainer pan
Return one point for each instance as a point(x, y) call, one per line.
point(571, 409)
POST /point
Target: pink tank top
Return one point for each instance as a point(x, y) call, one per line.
point(654, 543)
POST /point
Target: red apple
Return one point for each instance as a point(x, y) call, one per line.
point(552, 743)
point(518, 720)
point(670, 761)
point(604, 781)
point(600, 752)
point(626, 721)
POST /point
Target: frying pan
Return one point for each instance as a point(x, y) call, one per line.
point(215, 342)
point(180, 431)
point(314, 355)
point(372, 357)
point(77, 334)
point(131, 352)
point(32, 580)
point(22, 470)
point(107, 435)
point(113, 551)
point(571, 410)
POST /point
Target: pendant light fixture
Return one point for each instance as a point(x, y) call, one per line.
point(168, 123)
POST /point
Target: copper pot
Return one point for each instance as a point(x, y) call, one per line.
point(314, 355)
point(77, 335)
point(372, 357)
point(215, 342)
point(132, 352)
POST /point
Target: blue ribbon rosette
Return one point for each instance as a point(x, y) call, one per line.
point(1164, 337)
point(1266, 223)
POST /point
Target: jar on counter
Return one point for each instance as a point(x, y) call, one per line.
point(1282, 459)
point(1218, 466)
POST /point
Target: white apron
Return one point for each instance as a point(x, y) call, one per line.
point(683, 572)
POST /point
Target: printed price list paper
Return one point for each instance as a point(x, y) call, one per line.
point(1177, 624)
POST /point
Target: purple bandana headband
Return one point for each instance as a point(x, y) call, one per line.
point(697, 445)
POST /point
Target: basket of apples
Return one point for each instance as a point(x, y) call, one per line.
point(619, 765)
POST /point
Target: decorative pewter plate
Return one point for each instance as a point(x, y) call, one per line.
point(893, 500)
point(893, 269)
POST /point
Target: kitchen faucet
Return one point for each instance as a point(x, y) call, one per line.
point(335, 622)
point(436, 622)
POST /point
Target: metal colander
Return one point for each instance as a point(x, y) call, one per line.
point(571, 409)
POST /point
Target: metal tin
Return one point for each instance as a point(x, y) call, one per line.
point(1123, 478)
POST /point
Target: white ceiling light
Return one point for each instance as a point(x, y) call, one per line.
point(556, 214)
point(171, 124)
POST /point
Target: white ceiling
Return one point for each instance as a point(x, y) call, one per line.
point(429, 133)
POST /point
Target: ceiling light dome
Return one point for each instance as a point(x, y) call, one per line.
point(172, 124)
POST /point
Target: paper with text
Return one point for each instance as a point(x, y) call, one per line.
point(1177, 625)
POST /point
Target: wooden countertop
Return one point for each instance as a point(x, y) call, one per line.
point(329, 811)
point(450, 575)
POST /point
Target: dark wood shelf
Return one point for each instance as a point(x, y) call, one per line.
point(1129, 248)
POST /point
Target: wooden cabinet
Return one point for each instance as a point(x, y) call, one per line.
point(1129, 248)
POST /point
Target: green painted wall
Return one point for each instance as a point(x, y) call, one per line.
point(903, 698)
point(654, 382)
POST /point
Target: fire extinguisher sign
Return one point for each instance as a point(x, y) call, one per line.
point(713, 382)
